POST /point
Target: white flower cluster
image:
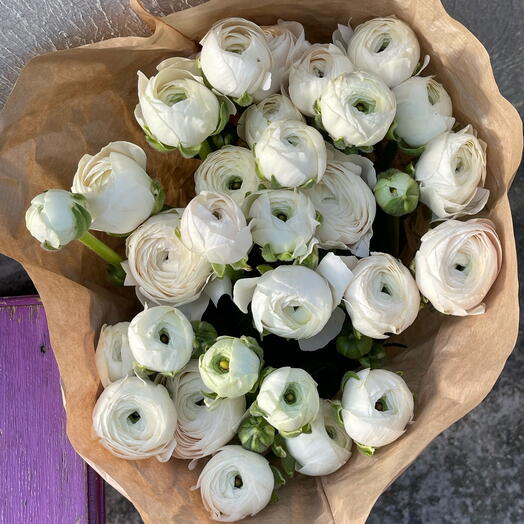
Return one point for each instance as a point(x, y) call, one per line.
point(292, 223)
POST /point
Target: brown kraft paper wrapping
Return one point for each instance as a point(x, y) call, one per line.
point(72, 102)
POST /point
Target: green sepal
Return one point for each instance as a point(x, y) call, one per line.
point(280, 480)
point(263, 268)
point(241, 265)
point(223, 114)
point(284, 257)
point(308, 184)
point(375, 358)
point(205, 337)
point(410, 169)
point(48, 247)
point(307, 429)
point(142, 371)
point(279, 446)
point(156, 144)
point(400, 373)
point(296, 432)
point(219, 270)
point(347, 376)
point(267, 254)
point(365, 450)
point(159, 194)
point(115, 274)
point(366, 149)
point(210, 396)
point(274, 498)
point(337, 408)
point(254, 346)
point(274, 183)
point(178, 233)
point(353, 345)
point(265, 372)
point(256, 411)
point(289, 465)
point(190, 151)
point(311, 261)
point(340, 144)
point(245, 100)
point(318, 217)
point(402, 145)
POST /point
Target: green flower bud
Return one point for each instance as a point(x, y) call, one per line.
point(396, 192)
point(230, 367)
point(256, 434)
point(205, 336)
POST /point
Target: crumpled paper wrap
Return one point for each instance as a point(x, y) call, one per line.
point(71, 102)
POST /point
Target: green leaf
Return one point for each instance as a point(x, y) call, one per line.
point(280, 480)
point(289, 465)
point(365, 450)
point(347, 376)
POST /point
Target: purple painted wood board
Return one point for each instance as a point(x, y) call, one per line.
point(42, 478)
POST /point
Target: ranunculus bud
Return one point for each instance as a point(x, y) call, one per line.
point(229, 171)
point(451, 172)
point(424, 110)
point(382, 298)
point(347, 207)
point(235, 484)
point(119, 193)
point(457, 264)
point(176, 109)
point(386, 47)
point(357, 109)
point(161, 339)
point(289, 301)
point(256, 118)
point(201, 431)
point(57, 217)
point(283, 223)
point(236, 59)
point(113, 357)
point(290, 154)
point(288, 399)
point(136, 419)
point(256, 434)
point(214, 226)
point(396, 192)
point(230, 367)
point(377, 405)
point(163, 270)
point(309, 76)
point(326, 448)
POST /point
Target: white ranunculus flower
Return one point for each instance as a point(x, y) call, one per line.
point(282, 222)
point(387, 47)
point(347, 206)
point(163, 270)
point(424, 110)
point(176, 110)
point(290, 153)
point(358, 164)
point(376, 407)
point(288, 399)
point(136, 419)
point(229, 171)
point(161, 339)
point(214, 226)
point(236, 59)
point(236, 483)
point(257, 117)
point(357, 109)
point(286, 42)
point(382, 298)
point(451, 173)
point(201, 431)
point(119, 193)
point(57, 217)
point(324, 450)
point(230, 367)
point(310, 75)
point(113, 357)
point(457, 264)
point(289, 301)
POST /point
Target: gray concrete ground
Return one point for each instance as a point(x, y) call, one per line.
point(473, 472)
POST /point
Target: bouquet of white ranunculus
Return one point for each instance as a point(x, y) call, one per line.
point(308, 247)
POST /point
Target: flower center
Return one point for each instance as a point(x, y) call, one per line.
point(290, 397)
point(383, 43)
point(281, 216)
point(234, 183)
point(381, 404)
point(224, 364)
point(332, 433)
point(293, 140)
point(134, 417)
point(364, 106)
point(164, 336)
point(217, 215)
point(385, 289)
point(238, 481)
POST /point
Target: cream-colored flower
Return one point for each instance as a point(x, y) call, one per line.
point(136, 419)
point(457, 264)
point(163, 270)
point(387, 47)
point(451, 173)
point(382, 298)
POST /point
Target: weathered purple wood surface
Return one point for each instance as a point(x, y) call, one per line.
point(42, 479)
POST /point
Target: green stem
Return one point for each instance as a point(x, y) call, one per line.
point(101, 249)
point(205, 149)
